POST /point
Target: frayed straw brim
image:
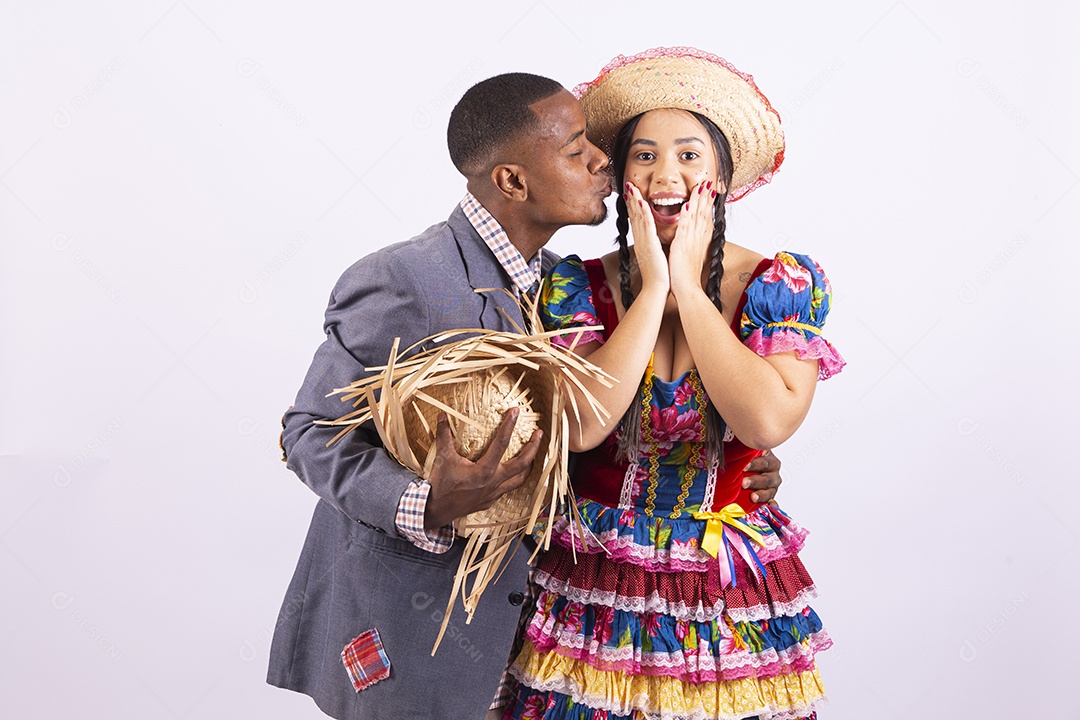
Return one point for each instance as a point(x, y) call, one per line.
point(475, 376)
point(688, 79)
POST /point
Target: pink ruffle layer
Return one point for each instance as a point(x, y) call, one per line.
point(691, 666)
point(817, 348)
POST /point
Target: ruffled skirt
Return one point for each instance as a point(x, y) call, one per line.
point(645, 624)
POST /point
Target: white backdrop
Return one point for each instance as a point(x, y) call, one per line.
point(181, 184)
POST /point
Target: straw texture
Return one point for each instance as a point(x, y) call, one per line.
point(688, 79)
point(475, 377)
point(484, 397)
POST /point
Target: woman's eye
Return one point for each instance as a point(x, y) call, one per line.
point(689, 155)
point(644, 156)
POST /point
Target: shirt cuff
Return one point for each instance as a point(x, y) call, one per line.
point(410, 521)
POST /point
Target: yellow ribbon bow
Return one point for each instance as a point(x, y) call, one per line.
point(714, 529)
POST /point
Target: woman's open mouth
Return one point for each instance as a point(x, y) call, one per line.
point(666, 207)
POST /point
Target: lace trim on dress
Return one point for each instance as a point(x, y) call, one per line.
point(689, 667)
point(656, 603)
point(552, 705)
point(701, 644)
point(830, 362)
point(710, 478)
point(781, 697)
point(774, 609)
point(626, 494)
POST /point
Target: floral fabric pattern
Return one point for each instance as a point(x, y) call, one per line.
point(635, 620)
point(566, 301)
point(786, 307)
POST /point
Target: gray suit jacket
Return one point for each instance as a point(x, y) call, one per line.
point(355, 572)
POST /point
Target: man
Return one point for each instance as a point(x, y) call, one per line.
point(380, 553)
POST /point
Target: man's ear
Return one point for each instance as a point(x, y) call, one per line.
point(509, 181)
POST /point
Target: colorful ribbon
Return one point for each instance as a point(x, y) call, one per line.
point(726, 527)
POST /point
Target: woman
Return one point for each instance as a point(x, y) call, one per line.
point(685, 599)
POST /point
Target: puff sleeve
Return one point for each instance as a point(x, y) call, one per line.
point(566, 301)
point(786, 307)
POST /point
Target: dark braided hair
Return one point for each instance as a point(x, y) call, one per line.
point(622, 218)
point(629, 435)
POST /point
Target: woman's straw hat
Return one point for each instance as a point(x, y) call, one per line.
point(688, 79)
point(475, 377)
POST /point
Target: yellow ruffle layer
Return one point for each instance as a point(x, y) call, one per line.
point(666, 696)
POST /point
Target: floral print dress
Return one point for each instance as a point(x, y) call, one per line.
point(686, 600)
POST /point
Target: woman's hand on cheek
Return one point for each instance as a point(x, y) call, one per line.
point(652, 264)
point(690, 248)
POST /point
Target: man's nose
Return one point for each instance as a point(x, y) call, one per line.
point(600, 160)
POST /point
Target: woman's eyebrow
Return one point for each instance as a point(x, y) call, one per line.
point(678, 141)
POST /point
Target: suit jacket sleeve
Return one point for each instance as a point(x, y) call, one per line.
point(375, 301)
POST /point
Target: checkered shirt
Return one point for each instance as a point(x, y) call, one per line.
point(523, 276)
point(410, 520)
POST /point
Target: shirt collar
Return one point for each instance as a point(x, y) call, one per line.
point(523, 275)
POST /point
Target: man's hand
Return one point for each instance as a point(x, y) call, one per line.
point(764, 478)
point(460, 486)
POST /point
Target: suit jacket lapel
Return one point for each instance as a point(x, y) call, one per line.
point(484, 271)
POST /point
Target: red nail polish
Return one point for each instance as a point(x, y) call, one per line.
point(710, 184)
point(700, 188)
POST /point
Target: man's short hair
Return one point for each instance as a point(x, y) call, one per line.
point(490, 114)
